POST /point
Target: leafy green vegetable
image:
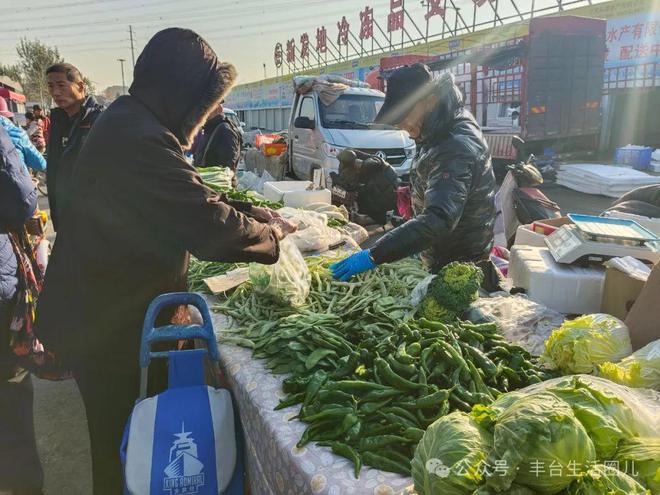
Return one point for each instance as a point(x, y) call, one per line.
point(449, 460)
point(643, 456)
point(640, 370)
point(534, 433)
point(451, 292)
point(581, 344)
point(607, 418)
point(605, 480)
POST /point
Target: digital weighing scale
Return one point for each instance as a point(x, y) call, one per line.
point(593, 239)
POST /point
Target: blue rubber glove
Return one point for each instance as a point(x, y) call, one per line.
point(354, 264)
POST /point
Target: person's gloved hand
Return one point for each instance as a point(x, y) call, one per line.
point(354, 264)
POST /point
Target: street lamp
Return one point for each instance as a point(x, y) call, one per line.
point(123, 82)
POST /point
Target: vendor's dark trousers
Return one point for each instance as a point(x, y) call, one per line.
point(20, 469)
point(109, 393)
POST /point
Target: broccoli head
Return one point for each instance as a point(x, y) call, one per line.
point(454, 289)
point(431, 310)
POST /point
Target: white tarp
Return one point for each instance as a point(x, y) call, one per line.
point(606, 180)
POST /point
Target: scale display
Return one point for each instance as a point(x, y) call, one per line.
point(597, 239)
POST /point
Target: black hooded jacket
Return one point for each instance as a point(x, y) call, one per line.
point(453, 189)
point(139, 208)
point(220, 146)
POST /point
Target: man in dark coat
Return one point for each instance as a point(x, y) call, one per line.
point(221, 143)
point(20, 469)
point(453, 185)
point(138, 208)
point(70, 123)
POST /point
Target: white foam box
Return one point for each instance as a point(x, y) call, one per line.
point(525, 236)
point(569, 289)
point(295, 193)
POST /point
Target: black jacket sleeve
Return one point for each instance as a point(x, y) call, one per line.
point(170, 195)
point(223, 148)
point(449, 183)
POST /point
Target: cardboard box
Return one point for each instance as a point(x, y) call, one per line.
point(620, 292)
point(644, 317)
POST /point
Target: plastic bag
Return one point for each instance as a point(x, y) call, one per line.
point(630, 266)
point(313, 233)
point(521, 320)
point(287, 281)
point(356, 232)
point(640, 370)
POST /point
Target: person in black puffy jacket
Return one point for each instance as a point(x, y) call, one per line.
point(453, 185)
point(20, 469)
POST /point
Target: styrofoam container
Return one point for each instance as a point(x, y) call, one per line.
point(274, 191)
point(525, 236)
point(299, 199)
point(568, 289)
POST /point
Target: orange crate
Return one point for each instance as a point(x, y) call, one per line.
point(274, 149)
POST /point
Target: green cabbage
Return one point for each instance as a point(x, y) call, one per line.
point(449, 458)
point(640, 370)
point(605, 480)
point(606, 417)
point(581, 344)
point(536, 433)
point(641, 457)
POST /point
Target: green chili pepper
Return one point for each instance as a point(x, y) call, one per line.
point(392, 378)
point(372, 407)
point(414, 434)
point(380, 441)
point(344, 450)
point(334, 396)
point(355, 386)
point(314, 385)
point(404, 369)
point(385, 464)
point(433, 399)
point(335, 412)
point(414, 349)
point(290, 401)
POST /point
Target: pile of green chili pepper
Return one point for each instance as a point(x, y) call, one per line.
point(368, 381)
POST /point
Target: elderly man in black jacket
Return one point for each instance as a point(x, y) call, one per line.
point(70, 123)
point(137, 210)
point(453, 185)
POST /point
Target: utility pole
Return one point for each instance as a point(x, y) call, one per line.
point(123, 82)
point(265, 75)
point(130, 31)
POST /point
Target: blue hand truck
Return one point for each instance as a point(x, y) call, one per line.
point(187, 439)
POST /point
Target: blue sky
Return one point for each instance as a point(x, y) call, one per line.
point(93, 34)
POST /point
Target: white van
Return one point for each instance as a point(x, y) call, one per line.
point(318, 132)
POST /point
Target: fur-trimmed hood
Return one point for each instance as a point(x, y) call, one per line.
point(179, 78)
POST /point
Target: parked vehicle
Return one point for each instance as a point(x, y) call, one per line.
point(318, 132)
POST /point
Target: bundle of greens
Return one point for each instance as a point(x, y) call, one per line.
point(451, 292)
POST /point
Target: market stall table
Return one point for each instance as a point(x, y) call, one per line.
point(274, 464)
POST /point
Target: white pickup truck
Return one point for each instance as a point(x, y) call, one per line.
point(318, 132)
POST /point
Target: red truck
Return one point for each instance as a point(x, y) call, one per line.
point(545, 87)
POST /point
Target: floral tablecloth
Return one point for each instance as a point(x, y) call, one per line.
point(274, 464)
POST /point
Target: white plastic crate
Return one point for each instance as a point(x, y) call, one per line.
point(568, 289)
